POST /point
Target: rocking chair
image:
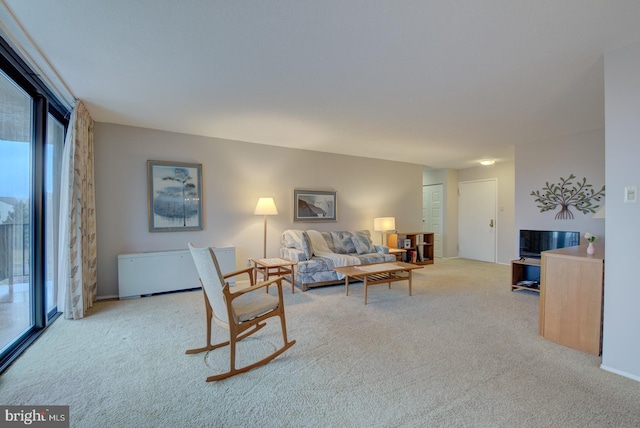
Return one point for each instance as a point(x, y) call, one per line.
point(242, 312)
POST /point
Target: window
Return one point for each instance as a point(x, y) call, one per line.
point(16, 123)
point(32, 128)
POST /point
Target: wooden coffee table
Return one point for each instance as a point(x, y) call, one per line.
point(378, 273)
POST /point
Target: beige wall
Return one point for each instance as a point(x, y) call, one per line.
point(581, 154)
point(236, 174)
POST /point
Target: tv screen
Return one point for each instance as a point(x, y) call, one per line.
point(533, 242)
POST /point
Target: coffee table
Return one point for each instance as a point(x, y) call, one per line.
point(378, 273)
point(274, 266)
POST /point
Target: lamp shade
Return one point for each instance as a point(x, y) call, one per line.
point(380, 224)
point(266, 206)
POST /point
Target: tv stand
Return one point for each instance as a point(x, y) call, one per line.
point(525, 274)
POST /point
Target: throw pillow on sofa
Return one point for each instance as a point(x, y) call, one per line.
point(342, 242)
point(362, 241)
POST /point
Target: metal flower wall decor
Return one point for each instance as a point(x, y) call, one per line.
point(568, 193)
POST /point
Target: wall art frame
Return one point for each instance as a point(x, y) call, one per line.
point(174, 196)
point(315, 206)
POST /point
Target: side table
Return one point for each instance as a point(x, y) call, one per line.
point(274, 266)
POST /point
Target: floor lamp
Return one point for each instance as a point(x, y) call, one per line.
point(265, 207)
point(382, 224)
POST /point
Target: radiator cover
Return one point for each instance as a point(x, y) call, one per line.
point(141, 274)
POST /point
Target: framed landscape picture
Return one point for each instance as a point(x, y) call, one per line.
point(314, 205)
point(174, 196)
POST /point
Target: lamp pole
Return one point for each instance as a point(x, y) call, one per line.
point(264, 248)
point(265, 207)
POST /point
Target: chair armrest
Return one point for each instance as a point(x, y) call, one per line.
point(277, 281)
point(248, 271)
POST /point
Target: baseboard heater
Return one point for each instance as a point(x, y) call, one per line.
point(142, 274)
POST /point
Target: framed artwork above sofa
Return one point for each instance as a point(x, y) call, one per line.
point(315, 205)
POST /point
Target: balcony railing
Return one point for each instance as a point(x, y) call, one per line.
point(14, 252)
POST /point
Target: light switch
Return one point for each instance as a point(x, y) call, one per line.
point(631, 194)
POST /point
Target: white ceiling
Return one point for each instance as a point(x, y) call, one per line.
point(443, 83)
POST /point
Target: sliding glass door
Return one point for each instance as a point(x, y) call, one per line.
point(32, 130)
point(16, 297)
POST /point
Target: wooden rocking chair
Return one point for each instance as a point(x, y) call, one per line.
point(242, 312)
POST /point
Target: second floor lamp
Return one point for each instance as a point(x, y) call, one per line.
point(382, 225)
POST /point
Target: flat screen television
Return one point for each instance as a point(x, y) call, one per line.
point(533, 242)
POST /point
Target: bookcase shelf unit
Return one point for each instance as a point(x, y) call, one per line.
point(418, 246)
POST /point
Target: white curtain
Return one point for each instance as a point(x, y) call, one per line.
point(77, 255)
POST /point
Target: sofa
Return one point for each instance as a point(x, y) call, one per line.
point(317, 253)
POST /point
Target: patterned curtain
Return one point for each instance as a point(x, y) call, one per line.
point(77, 259)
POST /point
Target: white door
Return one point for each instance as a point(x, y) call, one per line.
point(477, 228)
point(432, 214)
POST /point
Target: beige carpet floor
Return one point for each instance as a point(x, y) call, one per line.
point(463, 351)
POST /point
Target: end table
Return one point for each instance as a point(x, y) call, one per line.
point(274, 266)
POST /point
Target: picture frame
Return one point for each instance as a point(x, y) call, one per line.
point(315, 206)
point(174, 196)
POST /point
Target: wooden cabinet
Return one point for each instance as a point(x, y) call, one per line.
point(418, 246)
point(571, 296)
point(525, 274)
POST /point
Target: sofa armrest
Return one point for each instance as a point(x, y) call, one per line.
point(382, 249)
point(292, 254)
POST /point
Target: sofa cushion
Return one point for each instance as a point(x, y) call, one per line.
point(362, 243)
point(342, 242)
point(316, 264)
point(291, 238)
point(366, 259)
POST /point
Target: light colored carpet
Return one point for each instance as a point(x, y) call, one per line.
point(463, 351)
